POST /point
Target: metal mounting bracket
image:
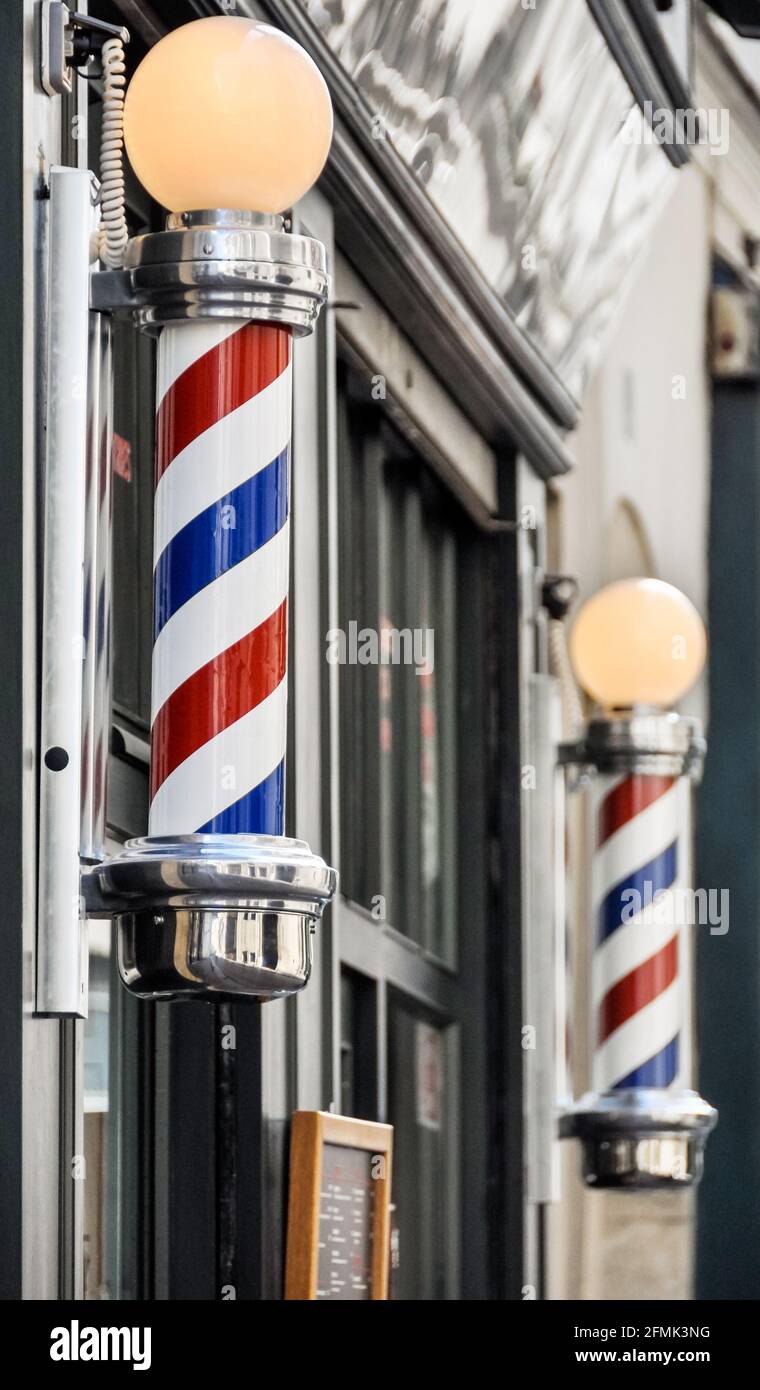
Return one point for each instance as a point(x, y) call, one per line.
point(67, 41)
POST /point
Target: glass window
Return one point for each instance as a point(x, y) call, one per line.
point(412, 684)
point(417, 1109)
point(358, 1045)
point(132, 460)
point(399, 618)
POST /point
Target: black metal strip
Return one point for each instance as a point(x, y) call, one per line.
point(626, 43)
point(226, 1153)
point(505, 1017)
point(644, 15)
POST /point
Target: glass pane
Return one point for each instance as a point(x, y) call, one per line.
point(399, 546)
point(134, 408)
point(399, 771)
point(358, 683)
point(438, 751)
point(358, 1045)
point(418, 1100)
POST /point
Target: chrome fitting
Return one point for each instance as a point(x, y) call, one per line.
point(217, 264)
point(639, 741)
point(212, 916)
point(638, 1139)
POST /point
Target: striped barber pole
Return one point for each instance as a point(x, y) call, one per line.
point(219, 681)
point(641, 962)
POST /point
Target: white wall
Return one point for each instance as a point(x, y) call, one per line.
point(642, 450)
point(644, 435)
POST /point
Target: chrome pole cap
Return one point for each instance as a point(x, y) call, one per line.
point(212, 916)
point(640, 1139)
point(217, 264)
point(639, 740)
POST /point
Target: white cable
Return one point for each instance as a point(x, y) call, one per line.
point(112, 233)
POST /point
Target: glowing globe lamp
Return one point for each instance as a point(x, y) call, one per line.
point(227, 113)
point(638, 642)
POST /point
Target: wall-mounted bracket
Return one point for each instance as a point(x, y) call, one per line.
point(68, 41)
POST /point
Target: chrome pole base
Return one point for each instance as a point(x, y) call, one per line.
point(640, 1139)
point(217, 264)
point(212, 917)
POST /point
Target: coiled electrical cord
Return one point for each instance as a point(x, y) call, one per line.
point(112, 235)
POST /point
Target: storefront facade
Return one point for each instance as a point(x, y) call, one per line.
point(149, 1146)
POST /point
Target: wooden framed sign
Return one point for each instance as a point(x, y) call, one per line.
point(339, 1208)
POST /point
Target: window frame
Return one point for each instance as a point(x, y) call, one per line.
point(450, 994)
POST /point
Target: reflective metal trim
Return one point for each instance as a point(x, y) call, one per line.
point(628, 38)
point(217, 264)
point(212, 915)
point(639, 740)
point(61, 939)
point(219, 955)
point(208, 871)
point(641, 1139)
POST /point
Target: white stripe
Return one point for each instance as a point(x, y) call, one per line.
point(223, 770)
point(182, 344)
point(640, 1038)
point(226, 610)
point(625, 951)
point(638, 939)
point(223, 457)
point(637, 843)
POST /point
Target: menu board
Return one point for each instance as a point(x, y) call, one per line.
point(339, 1208)
point(344, 1264)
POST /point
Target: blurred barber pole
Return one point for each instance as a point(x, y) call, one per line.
point(640, 968)
point(221, 551)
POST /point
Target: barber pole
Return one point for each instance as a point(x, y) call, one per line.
point(215, 901)
point(640, 967)
point(219, 685)
point(640, 1125)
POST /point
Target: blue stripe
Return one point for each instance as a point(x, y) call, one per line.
point(659, 873)
point(221, 536)
point(658, 1072)
point(259, 812)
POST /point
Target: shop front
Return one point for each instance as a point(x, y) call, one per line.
point(477, 212)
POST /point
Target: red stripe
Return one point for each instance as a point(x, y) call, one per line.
point(222, 379)
point(638, 989)
point(217, 695)
point(628, 799)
